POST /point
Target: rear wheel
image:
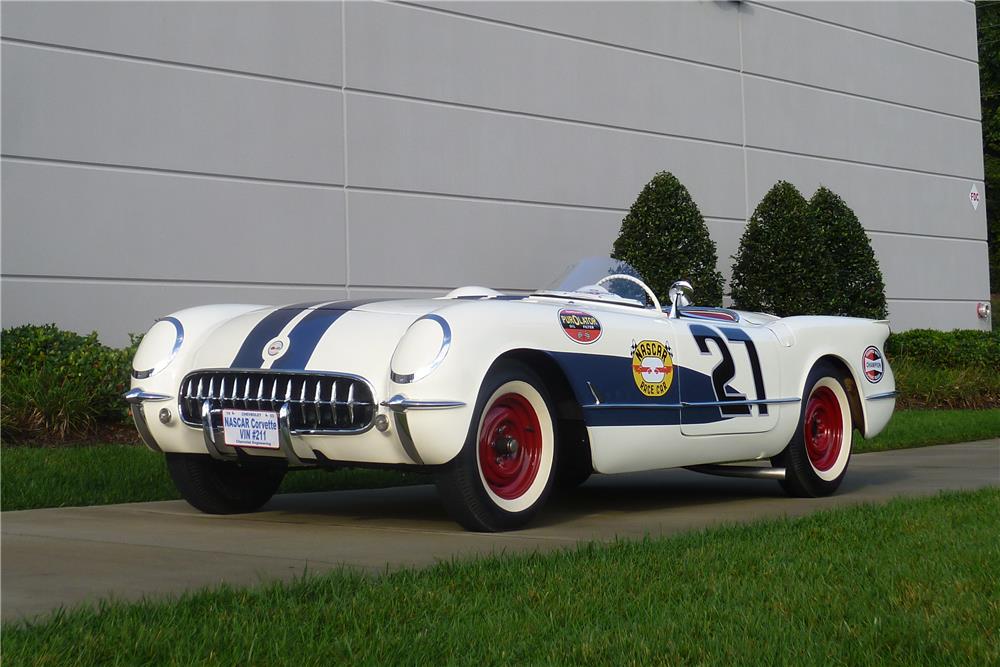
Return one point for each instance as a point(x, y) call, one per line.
point(220, 487)
point(504, 473)
point(816, 459)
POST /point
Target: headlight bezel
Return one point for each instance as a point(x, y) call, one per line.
point(175, 348)
point(423, 371)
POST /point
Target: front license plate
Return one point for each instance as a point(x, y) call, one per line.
point(250, 428)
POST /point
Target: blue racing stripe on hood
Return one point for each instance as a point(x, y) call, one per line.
point(305, 336)
point(251, 352)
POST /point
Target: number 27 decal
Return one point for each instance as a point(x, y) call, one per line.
point(725, 370)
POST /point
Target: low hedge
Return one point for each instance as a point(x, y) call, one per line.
point(946, 369)
point(59, 383)
point(960, 348)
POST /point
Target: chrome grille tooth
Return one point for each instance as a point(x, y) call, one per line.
point(333, 403)
point(199, 396)
point(316, 402)
point(222, 391)
point(274, 393)
point(246, 394)
point(211, 387)
point(303, 399)
point(260, 393)
point(350, 403)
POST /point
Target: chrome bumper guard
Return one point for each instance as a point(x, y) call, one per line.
point(135, 398)
point(398, 405)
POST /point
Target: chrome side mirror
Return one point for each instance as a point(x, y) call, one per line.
point(680, 295)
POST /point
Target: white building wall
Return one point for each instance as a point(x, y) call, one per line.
point(160, 155)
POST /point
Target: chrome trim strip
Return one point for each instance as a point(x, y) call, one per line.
point(593, 392)
point(765, 401)
point(400, 403)
point(285, 437)
point(139, 417)
point(178, 341)
point(686, 404)
point(884, 395)
point(421, 373)
point(754, 472)
point(136, 396)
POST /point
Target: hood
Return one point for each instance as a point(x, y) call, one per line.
point(287, 337)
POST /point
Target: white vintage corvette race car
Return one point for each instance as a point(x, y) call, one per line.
point(505, 396)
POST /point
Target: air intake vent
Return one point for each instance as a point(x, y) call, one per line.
point(318, 402)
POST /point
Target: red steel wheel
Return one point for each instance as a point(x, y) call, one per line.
point(510, 446)
point(504, 472)
point(816, 458)
point(823, 429)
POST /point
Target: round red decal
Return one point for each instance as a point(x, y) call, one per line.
point(580, 326)
point(873, 364)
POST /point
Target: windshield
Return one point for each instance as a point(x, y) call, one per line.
point(588, 271)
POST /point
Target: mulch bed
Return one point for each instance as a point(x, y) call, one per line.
point(102, 434)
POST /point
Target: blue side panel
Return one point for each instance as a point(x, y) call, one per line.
point(612, 378)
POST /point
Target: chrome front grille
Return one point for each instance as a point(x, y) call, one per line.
point(315, 402)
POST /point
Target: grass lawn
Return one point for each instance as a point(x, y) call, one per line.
point(913, 582)
point(917, 428)
point(55, 477)
point(101, 475)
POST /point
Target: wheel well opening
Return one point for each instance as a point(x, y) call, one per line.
point(573, 439)
point(853, 392)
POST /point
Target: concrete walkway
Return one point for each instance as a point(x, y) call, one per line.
point(55, 557)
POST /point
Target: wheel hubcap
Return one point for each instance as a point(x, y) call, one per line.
point(823, 429)
point(510, 446)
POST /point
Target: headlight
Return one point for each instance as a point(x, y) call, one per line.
point(158, 347)
point(422, 349)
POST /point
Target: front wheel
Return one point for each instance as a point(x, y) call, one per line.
point(221, 487)
point(503, 475)
point(816, 459)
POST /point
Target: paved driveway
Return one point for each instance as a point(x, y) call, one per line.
point(54, 557)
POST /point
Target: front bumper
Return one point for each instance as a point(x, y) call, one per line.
point(389, 442)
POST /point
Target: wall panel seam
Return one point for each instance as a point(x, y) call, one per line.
point(910, 170)
point(928, 237)
point(160, 282)
point(561, 35)
point(157, 62)
point(894, 40)
point(32, 159)
point(933, 300)
point(867, 98)
point(343, 113)
point(364, 92)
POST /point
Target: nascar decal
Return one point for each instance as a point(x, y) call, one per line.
point(652, 367)
point(581, 327)
point(872, 364)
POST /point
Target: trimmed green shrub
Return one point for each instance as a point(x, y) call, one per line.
point(852, 284)
point(777, 268)
point(57, 383)
point(664, 237)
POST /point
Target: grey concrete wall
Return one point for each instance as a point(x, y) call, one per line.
point(160, 155)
